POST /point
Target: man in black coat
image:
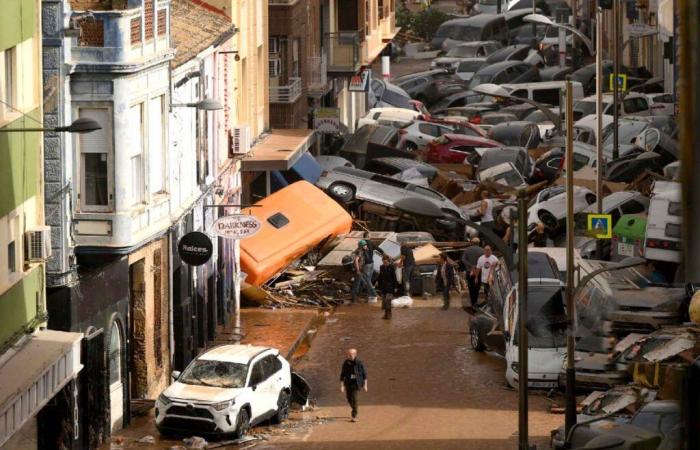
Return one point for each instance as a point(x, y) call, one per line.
point(353, 377)
point(445, 279)
point(387, 284)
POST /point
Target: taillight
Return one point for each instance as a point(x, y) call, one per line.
point(651, 243)
point(476, 120)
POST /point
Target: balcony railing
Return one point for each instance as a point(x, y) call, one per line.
point(343, 51)
point(286, 94)
point(318, 73)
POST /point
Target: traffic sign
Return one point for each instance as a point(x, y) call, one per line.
point(621, 81)
point(360, 81)
point(600, 226)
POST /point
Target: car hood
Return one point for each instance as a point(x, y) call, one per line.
point(205, 394)
point(446, 60)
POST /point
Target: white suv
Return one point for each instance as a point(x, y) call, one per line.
point(226, 390)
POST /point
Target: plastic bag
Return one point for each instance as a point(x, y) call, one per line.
point(402, 302)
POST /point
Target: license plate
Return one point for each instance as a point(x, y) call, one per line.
point(625, 249)
point(542, 384)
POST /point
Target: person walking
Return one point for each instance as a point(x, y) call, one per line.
point(387, 284)
point(484, 268)
point(353, 377)
point(407, 264)
point(470, 257)
point(445, 279)
point(363, 265)
point(539, 237)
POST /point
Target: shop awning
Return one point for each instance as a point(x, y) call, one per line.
point(279, 150)
point(34, 374)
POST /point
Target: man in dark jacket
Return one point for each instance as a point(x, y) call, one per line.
point(387, 284)
point(353, 377)
point(407, 264)
point(469, 258)
point(445, 279)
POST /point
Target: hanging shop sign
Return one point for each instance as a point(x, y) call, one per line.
point(327, 120)
point(360, 82)
point(237, 226)
point(195, 248)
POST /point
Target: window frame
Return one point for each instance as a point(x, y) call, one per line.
point(108, 130)
point(162, 95)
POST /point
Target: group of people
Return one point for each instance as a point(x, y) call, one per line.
point(387, 282)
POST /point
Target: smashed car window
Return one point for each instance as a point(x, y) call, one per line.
point(215, 374)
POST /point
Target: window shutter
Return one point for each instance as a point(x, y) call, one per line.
point(97, 141)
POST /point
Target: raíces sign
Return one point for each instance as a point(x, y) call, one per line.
point(237, 226)
point(195, 248)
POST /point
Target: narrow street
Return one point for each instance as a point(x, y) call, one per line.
point(427, 388)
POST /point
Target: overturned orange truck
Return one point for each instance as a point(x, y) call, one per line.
point(294, 220)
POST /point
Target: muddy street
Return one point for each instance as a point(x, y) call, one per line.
point(427, 388)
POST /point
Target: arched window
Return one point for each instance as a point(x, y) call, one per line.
point(115, 354)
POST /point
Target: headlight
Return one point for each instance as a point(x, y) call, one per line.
point(163, 399)
point(222, 405)
point(514, 365)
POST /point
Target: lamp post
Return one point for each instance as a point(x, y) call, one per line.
point(544, 20)
point(599, 119)
point(80, 125)
point(207, 104)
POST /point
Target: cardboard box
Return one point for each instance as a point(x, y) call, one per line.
point(426, 254)
point(447, 184)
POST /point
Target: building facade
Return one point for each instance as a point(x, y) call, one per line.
point(49, 361)
point(109, 197)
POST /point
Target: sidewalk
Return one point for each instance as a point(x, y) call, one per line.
point(284, 329)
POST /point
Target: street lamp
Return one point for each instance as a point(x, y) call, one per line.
point(497, 91)
point(544, 20)
point(80, 125)
point(570, 393)
point(207, 104)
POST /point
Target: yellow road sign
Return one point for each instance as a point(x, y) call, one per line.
point(600, 226)
point(621, 81)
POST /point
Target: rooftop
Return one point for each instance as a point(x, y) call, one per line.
point(194, 28)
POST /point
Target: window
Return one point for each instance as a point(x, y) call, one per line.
point(580, 161)
point(278, 220)
point(115, 354)
point(429, 129)
point(673, 230)
point(634, 105)
point(663, 98)
point(156, 146)
point(7, 81)
point(272, 365)
point(11, 257)
point(632, 207)
point(94, 161)
point(136, 148)
point(674, 208)
point(257, 375)
point(521, 93)
point(547, 96)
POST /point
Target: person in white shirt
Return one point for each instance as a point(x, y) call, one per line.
point(484, 268)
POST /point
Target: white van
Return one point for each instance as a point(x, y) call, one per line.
point(393, 117)
point(663, 237)
point(547, 92)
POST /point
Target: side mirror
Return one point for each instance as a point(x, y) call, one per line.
point(175, 374)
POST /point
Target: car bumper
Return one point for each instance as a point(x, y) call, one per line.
point(188, 418)
point(591, 380)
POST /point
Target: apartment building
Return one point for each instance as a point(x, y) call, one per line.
point(36, 364)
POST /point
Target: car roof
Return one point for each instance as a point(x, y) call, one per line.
point(471, 140)
point(669, 190)
point(608, 97)
point(235, 353)
point(589, 121)
point(538, 84)
point(613, 200)
point(403, 163)
point(497, 67)
point(425, 73)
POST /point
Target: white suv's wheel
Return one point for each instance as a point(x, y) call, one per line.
point(242, 423)
point(282, 407)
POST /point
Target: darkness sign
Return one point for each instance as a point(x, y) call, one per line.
point(195, 248)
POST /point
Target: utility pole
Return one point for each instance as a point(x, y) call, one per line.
point(574, 54)
point(600, 165)
point(616, 74)
point(523, 370)
point(570, 419)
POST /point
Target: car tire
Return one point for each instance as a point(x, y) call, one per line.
point(242, 423)
point(342, 191)
point(548, 219)
point(475, 338)
point(590, 198)
point(282, 408)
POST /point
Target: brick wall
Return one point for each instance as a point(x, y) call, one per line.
point(91, 33)
point(97, 5)
point(289, 115)
point(150, 342)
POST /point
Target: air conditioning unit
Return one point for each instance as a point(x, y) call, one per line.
point(274, 44)
point(37, 243)
point(239, 141)
point(275, 67)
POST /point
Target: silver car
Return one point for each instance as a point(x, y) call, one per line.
point(347, 184)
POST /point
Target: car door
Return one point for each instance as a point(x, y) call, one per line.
point(427, 132)
point(510, 315)
point(258, 398)
point(270, 387)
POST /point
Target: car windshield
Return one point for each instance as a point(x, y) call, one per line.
point(219, 374)
point(470, 66)
point(546, 317)
point(447, 31)
point(463, 51)
point(585, 108)
point(468, 34)
point(510, 178)
point(459, 129)
point(396, 99)
point(479, 79)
